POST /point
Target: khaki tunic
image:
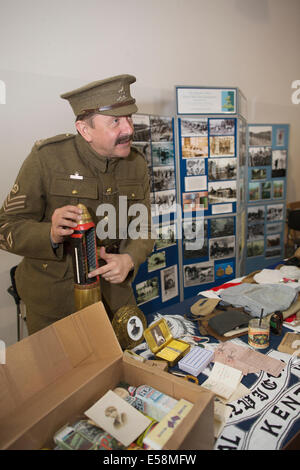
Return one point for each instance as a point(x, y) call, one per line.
point(44, 278)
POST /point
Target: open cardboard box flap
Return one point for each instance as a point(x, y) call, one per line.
point(63, 369)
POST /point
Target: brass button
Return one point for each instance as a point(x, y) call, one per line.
point(45, 266)
point(74, 191)
point(132, 195)
point(108, 190)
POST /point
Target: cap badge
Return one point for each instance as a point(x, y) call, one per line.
point(122, 94)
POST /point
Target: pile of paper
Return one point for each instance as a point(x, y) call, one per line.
point(246, 359)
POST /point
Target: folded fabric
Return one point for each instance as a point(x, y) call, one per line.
point(286, 274)
point(255, 297)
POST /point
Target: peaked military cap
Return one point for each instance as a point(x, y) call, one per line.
point(110, 97)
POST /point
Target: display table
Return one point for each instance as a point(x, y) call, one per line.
point(268, 417)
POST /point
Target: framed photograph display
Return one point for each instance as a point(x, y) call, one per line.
point(156, 284)
point(211, 154)
point(266, 194)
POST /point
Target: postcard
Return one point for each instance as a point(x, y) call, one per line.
point(169, 283)
point(119, 418)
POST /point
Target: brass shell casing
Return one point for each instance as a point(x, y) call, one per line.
point(86, 295)
point(85, 216)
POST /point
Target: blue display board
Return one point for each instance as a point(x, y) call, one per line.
point(266, 194)
point(211, 138)
point(208, 182)
point(157, 282)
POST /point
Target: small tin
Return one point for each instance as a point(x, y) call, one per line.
point(162, 343)
point(259, 333)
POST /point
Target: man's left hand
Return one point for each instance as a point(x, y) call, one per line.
point(116, 269)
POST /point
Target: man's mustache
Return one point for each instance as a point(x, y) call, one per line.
point(124, 139)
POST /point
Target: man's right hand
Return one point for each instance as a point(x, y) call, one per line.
point(64, 220)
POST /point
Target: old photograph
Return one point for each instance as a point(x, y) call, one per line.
point(222, 146)
point(163, 178)
point(273, 252)
point(222, 192)
point(280, 136)
point(222, 227)
point(169, 283)
point(198, 273)
point(145, 149)
point(273, 240)
point(220, 248)
point(157, 335)
point(274, 228)
point(260, 135)
point(266, 189)
point(147, 290)
point(196, 252)
point(197, 201)
point(162, 153)
point(194, 147)
point(222, 126)
point(195, 167)
point(254, 191)
point(260, 156)
point(258, 174)
point(278, 163)
point(274, 212)
point(156, 261)
point(255, 248)
point(194, 127)
point(141, 125)
point(256, 231)
point(242, 143)
point(161, 129)
point(222, 168)
point(278, 189)
point(165, 201)
point(166, 236)
point(256, 214)
point(194, 237)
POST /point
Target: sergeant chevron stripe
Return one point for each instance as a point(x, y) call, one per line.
point(14, 203)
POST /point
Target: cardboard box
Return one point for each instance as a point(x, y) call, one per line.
point(56, 374)
point(162, 343)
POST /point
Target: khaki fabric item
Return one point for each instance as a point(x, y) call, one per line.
point(109, 97)
point(204, 307)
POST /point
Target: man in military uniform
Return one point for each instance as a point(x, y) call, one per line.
point(94, 167)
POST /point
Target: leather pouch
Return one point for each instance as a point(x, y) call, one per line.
point(228, 321)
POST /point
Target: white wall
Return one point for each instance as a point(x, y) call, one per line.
point(47, 48)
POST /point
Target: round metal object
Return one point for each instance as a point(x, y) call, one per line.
point(129, 324)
